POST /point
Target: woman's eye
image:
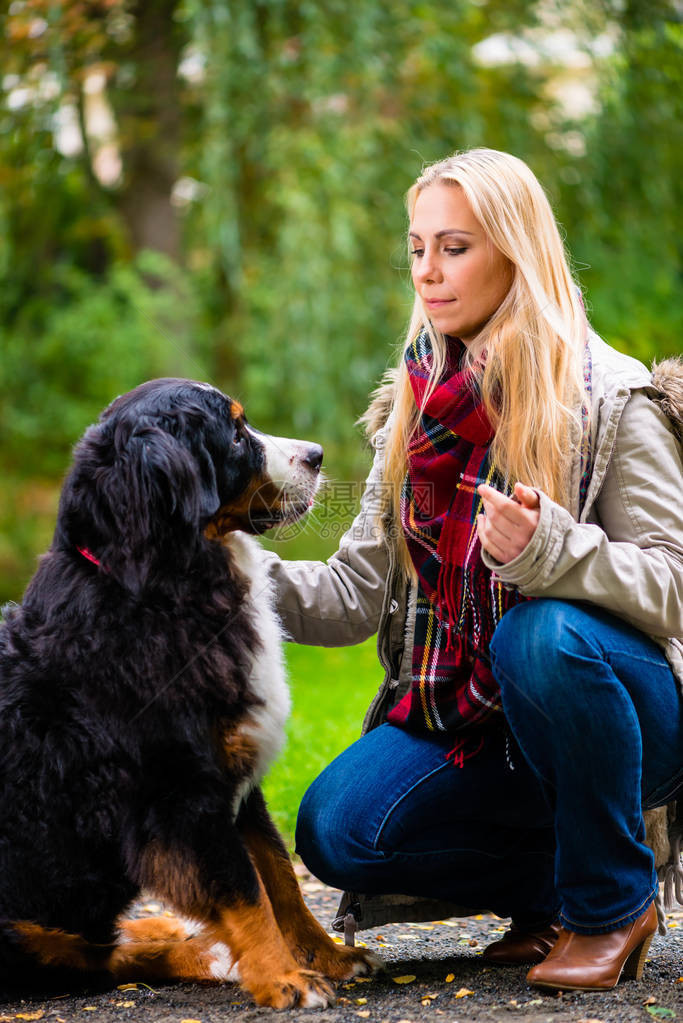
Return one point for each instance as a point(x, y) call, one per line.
point(456, 252)
point(416, 252)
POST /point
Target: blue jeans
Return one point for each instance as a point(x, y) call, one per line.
point(535, 820)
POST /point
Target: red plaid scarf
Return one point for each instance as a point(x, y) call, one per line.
point(459, 604)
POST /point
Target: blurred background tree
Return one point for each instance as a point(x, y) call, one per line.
point(213, 188)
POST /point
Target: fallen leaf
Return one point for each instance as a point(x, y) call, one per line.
point(479, 916)
point(660, 1012)
point(30, 1015)
point(422, 927)
point(127, 1005)
point(361, 1001)
point(127, 987)
point(650, 1001)
point(463, 992)
point(450, 978)
point(89, 1008)
point(407, 978)
point(190, 1021)
point(590, 1019)
point(472, 942)
point(363, 1013)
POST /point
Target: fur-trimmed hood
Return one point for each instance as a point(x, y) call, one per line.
point(667, 378)
point(667, 381)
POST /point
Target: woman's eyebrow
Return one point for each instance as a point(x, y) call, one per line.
point(441, 234)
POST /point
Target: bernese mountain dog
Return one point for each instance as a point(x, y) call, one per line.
point(142, 698)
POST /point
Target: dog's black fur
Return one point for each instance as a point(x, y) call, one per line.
point(120, 680)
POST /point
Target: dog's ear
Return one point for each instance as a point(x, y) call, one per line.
point(150, 502)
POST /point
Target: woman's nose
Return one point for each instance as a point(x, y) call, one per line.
point(428, 270)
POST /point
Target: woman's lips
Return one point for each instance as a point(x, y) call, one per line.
point(434, 303)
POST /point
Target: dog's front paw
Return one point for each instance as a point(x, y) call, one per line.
point(341, 962)
point(303, 988)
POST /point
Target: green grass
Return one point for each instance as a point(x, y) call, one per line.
point(331, 690)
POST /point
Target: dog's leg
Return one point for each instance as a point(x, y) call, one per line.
point(38, 956)
point(307, 940)
point(169, 948)
point(245, 923)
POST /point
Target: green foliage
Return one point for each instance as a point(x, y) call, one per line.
point(68, 354)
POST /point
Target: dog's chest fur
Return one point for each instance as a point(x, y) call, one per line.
point(264, 725)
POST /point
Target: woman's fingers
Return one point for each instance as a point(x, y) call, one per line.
point(509, 522)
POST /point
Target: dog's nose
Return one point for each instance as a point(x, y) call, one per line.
point(314, 457)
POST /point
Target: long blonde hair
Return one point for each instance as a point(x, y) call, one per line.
point(528, 356)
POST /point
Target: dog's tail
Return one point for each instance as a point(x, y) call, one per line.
point(42, 958)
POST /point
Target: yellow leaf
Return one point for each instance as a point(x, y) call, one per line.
point(463, 992)
point(127, 987)
point(363, 1013)
point(364, 980)
point(190, 1021)
point(127, 1005)
point(407, 978)
point(479, 916)
point(450, 978)
point(30, 1015)
point(422, 927)
point(361, 1001)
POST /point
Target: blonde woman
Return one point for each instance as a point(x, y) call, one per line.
point(519, 551)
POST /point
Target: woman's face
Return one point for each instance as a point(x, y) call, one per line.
point(459, 274)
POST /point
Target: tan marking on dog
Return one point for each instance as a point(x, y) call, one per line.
point(236, 410)
point(188, 959)
point(153, 928)
point(261, 495)
point(310, 945)
point(267, 967)
point(52, 947)
point(240, 752)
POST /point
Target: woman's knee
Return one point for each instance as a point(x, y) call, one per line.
point(537, 648)
point(330, 834)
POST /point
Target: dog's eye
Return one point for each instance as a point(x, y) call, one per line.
point(237, 440)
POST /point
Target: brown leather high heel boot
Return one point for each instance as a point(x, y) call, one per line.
point(517, 946)
point(595, 962)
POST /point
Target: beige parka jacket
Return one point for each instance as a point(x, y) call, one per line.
point(622, 552)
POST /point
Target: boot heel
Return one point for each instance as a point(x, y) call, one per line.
point(633, 967)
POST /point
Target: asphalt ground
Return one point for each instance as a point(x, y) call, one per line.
point(432, 972)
